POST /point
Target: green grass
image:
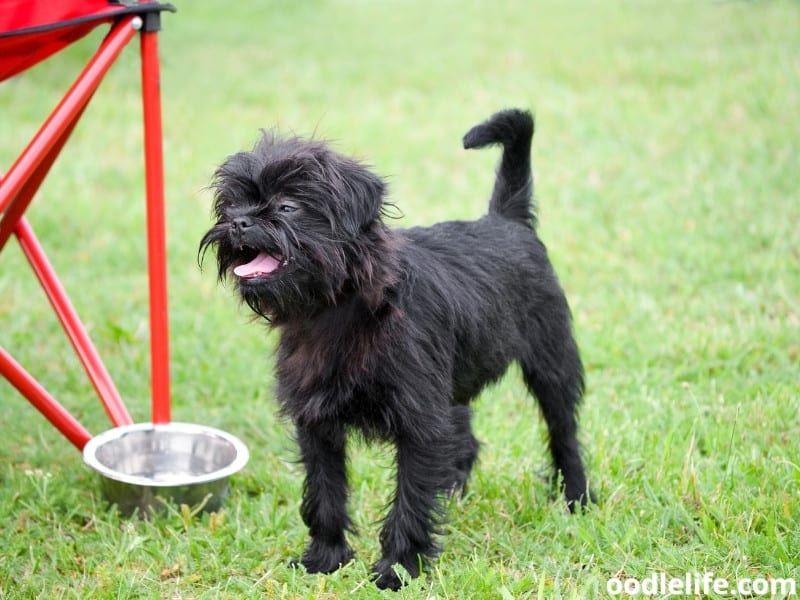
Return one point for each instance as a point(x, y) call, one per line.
point(667, 162)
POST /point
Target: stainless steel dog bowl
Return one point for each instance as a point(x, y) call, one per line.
point(144, 465)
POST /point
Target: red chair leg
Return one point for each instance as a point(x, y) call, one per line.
point(90, 359)
point(37, 168)
point(44, 402)
point(156, 238)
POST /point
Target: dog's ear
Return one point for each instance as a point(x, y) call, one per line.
point(363, 192)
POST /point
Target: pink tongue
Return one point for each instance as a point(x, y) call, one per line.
point(263, 264)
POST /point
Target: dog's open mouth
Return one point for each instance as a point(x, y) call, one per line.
point(263, 265)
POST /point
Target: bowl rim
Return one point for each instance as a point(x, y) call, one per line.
point(94, 444)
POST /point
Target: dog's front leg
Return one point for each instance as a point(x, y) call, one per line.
point(407, 534)
point(324, 506)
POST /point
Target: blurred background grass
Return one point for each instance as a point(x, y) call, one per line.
point(666, 161)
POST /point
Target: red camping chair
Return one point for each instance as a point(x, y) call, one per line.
point(31, 31)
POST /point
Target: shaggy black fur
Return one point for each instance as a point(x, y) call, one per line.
point(393, 332)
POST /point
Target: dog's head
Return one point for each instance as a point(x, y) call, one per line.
point(295, 225)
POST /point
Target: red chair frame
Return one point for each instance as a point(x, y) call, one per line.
point(20, 183)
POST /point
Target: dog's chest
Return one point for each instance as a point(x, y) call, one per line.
point(328, 373)
point(310, 363)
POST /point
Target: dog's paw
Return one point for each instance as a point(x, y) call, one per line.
point(577, 502)
point(323, 558)
point(457, 486)
point(385, 576)
point(388, 581)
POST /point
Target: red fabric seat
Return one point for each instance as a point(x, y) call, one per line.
point(31, 31)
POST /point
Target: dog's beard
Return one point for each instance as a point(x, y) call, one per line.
point(276, 273)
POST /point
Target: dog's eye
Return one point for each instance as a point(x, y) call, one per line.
point(287, 207)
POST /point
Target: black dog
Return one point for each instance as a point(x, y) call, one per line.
point(392, 332)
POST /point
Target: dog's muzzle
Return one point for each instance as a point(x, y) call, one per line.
point(239, 227)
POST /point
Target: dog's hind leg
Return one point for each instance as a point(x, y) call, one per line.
point(465, 448)
point(324, 505)
point(554, 375)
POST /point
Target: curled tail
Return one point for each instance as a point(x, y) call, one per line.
point(512, 196)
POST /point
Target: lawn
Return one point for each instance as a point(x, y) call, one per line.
point(666, 160)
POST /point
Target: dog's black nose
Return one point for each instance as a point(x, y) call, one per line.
point(240, 224)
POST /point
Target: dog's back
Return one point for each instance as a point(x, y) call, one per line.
point(486, 283)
